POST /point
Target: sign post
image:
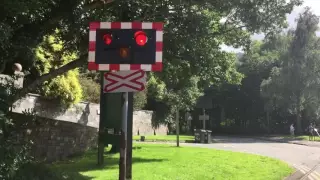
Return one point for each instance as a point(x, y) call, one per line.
point(129, 136)
point(123, 147)
point(177, 126)
point(204, 118)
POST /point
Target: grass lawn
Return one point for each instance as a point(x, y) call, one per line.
point(165, 162)
point(316, 138)
point(305, 138)
point(165, 138)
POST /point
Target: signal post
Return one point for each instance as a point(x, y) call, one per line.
point(123, 52)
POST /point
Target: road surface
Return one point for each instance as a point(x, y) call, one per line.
point(304, 158)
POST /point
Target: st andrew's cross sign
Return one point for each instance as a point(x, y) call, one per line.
point(124, 81)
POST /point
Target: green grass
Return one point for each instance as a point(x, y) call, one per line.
point(316, 138)
point(304, 138)
point(165, 162)
point(165, 138)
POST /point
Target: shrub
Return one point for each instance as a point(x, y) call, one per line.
point(139, 100)
point(51, 54)
point(90, 90)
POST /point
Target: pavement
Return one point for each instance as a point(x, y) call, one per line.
point(302, 155)
point(290, 140)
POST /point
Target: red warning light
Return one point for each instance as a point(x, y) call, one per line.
point(141, 38)
point(107, 38)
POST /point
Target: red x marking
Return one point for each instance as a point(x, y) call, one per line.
point(129, 78)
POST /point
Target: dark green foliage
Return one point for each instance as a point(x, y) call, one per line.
point(90, 89)
point(193, 34)
point(13, 155)
point(194, 31)
point(13, 158)
point(280, 84)
point(139, 100)
point(294, 85)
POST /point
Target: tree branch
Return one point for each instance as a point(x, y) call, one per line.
point(225, 31)
point(3, 66)
point(71, 65)
point(96, 4)
point(56, 16)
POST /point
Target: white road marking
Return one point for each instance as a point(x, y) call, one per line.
point(304, 169)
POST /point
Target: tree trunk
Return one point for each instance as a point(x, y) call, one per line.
point(222, 116)
point(268, 121)
point(72, 65)
point(298, 116)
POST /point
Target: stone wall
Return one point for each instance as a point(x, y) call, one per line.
point(58, 133)
point(55, 140)
point(142, 122)
point(83, 113)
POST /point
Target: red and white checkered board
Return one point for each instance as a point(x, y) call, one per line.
point(158, 26)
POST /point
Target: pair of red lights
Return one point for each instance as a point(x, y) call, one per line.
point(140, 37)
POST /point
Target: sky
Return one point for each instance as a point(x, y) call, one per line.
point(315, 7)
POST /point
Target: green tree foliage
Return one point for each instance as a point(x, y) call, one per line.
point(194, 31)
point(139, 100)
point(13, 156)
point(194, 22)
point(50, 54)
point(280, 84)
point(90, 89)
point(295, 83)
point(241, 107)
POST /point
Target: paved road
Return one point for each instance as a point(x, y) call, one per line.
point(305, 159)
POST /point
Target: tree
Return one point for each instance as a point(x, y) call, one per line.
point(50, 55)
point(294, 84)
point(90, 88)
point(241, 106)
point(42, 18)
point(193, 34)
point(139, 100)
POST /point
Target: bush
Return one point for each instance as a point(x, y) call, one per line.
point(13, 155)
point(12, 159)
point(51, 54)
point(139, 100)
point(90, 90)
point(65, 88)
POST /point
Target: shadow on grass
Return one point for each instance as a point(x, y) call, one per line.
point(44, 172)
point(71, 169)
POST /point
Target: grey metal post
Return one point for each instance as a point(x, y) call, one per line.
point(123, 151)
point(204, 119)
point(101, 144)
point(129, 136)
point(177, 126)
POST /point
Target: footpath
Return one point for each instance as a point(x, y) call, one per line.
point(289, 140)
